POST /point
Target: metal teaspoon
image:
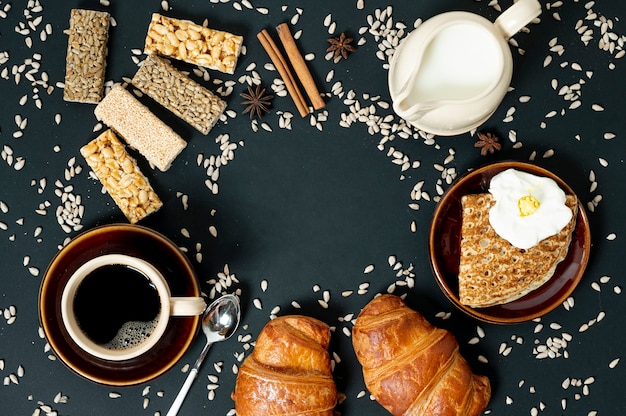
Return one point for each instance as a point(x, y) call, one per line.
point(219, 322)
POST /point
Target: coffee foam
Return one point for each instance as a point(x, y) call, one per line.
point(131, 335)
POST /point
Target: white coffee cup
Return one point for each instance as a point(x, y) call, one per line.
point(168, 306)
point(449, 75)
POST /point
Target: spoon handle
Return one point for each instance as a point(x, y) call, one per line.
point(202, 356)
point(178, 401)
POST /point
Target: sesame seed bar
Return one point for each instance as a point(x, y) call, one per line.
point(192, 43)
point(85, 61)
point(119, 174)
point(139, 127)
point(181, 95)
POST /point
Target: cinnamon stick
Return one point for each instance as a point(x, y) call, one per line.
point(281, 66)
point(299, 66)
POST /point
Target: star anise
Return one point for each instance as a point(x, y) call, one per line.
point(488, 143)
point(340, 46)
point(257, 102)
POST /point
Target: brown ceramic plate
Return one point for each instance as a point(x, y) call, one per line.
point(444, 246)
point(136, 241)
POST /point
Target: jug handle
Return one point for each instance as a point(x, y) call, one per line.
point(517, 16)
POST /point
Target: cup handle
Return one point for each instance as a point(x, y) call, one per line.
point(187, 306)
point(517, 16)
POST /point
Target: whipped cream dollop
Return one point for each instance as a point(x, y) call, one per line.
point(528, 208)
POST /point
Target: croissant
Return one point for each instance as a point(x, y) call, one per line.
point(413, 368)
point(288, 372)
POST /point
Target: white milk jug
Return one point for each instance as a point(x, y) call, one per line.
point(449, 75)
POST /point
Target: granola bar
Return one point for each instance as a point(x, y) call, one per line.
point(139, 127)
point(119, 174)
point(175, 91)
point(192, 43)
point(85, 60)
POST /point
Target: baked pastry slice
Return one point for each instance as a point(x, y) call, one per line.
point(492, 271)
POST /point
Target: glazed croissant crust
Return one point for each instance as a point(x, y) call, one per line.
point(413, 368)
point(288, 372)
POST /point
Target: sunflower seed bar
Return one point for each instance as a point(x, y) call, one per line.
point(141, 129)
point(85, 61)
point(175, 91)
point(192, 43)
point(119, 174)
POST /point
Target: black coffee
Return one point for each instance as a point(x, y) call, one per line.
point(116, 306)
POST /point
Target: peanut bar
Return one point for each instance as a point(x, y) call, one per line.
point(192, 43)
point(85, 61)
point(139, 127)
point(119, 174)
point(181, 95)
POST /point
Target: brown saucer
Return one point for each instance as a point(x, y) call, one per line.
point(444, 246)
point(136, 241)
